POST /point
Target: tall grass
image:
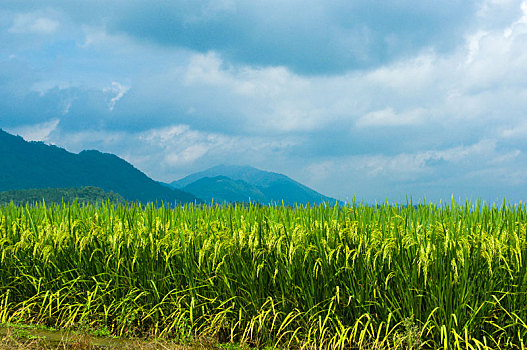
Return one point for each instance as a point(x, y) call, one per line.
point(354, 276)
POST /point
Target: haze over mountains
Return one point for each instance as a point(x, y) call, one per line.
point(33, 165)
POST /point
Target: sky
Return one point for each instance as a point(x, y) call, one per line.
point(377, 100)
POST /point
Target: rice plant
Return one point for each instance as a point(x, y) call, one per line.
point(350, 276)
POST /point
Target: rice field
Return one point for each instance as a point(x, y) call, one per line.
point(449, 276)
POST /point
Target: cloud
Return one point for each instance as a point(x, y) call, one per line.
point(476, 171)
point(181, 145)
point(33, 23)
point(516, 132)
point(167, 153)
point(186, 156)
point(36, 132)
point(118, 91)
point(387, 117)
point(310, 37)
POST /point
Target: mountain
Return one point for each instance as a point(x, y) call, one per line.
point(29, 165)
point(86, 194)
point(235, 183)
point(224, 189)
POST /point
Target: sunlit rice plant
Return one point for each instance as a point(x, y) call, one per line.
point(349, 276)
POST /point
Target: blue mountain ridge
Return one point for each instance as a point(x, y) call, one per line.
point(241, 183)
point(34, 165)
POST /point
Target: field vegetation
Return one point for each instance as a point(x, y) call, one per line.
point(86, 194)
point(351, 276)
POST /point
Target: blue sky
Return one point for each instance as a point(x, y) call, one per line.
point(372, 99)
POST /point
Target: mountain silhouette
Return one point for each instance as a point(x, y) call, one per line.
point(235, 183)
point(31, 165)
point(221, 189)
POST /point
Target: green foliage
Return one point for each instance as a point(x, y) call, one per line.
point(386, 277)
point(86, 194)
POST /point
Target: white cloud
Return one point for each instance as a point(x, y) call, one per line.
point(179, 144)
point(428, 88)
point(519, 25)
point(387, 117)
point(408, 76)
point(187, 155)
point(206, 69)
point(36, 132)
point(118, 91)
point(473, 41)
point(500, 59)
point(270, 82)
point(166, 134)
point(270, 99)
point(430, 173)
point(460, 154)
point(97, 37)
point(102, 140)
point(413, 165)
point(33, 23)
point(168, 153)
point(94, 36)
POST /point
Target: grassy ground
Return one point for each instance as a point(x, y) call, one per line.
point(15, 340)
point(24, 336)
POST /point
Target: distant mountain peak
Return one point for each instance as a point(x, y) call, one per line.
point(248, 182)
